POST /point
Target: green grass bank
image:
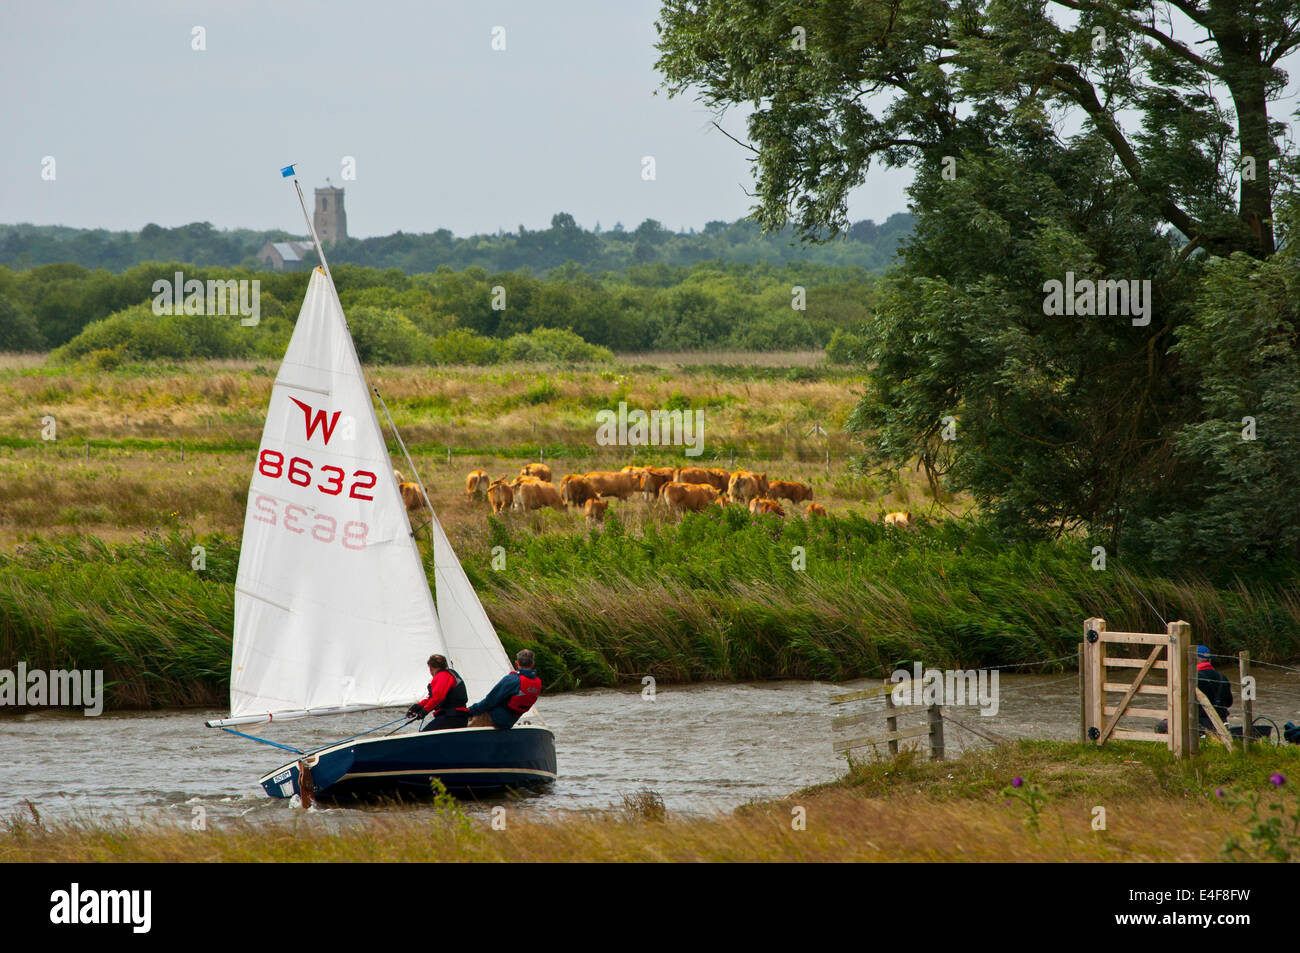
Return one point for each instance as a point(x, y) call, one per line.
point(720, 596)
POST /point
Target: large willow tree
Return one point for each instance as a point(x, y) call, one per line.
point(1052, 141)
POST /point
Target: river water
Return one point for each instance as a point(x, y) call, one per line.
point(702, 748)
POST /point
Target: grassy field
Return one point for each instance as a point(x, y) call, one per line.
point(1156, 810)
point(141, 446)
point(95, 564)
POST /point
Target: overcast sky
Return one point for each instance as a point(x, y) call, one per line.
point(445, 131)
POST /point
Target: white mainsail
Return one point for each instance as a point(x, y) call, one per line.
point(332, 606)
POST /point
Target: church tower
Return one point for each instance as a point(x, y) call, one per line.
point(330, 220)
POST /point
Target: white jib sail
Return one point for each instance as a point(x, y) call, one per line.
point(332, 606)
point(473, 648)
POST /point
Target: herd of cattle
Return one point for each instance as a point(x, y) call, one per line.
point(678, 489)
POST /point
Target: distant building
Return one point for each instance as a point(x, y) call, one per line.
point(331, 224)
point(284, 256)
point(330, 219)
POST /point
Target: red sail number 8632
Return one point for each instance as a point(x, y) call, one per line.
point(270, 463)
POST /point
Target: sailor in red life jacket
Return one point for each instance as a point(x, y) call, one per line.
point(510, 697)
point(446, 700)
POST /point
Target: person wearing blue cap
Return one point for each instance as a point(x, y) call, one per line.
point(1216, 688)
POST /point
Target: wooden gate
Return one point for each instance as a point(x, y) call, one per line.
point(1167, 668)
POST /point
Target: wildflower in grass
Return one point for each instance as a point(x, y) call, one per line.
point(1272, 830)
point(1032, 797)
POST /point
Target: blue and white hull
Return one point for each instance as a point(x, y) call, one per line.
point(465, 760)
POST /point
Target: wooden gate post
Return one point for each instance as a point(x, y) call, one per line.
point(1083, 693)
point(1094, 678)
point(1183, 723)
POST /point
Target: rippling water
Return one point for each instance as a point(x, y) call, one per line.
point(702, 748)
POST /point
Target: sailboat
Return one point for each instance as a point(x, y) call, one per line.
point(333, 611)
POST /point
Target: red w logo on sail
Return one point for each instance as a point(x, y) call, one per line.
point(327, 429)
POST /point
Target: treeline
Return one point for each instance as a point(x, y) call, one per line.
point(864, 245)
point(447, 316)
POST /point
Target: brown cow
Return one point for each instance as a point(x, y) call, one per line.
point(718, 478)
point(789, 490)
point(411, 495)
point(607, 483)
point(534, 494)
point(714, 478)
point(680, 497)
point(595, 510)
point(476, 484)
point(539, 470)
point(653, 480)
point(577, 490)
point(899, 519)
point(761, 506)
point(816, 509)
point(501, 496)
point(745, 485)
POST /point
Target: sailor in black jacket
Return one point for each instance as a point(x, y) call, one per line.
point(1216, 688)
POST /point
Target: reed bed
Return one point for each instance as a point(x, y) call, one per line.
point(715, 597)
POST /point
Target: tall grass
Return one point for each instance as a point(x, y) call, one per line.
point(159, 630)
point(715, 597)
point(900, 810)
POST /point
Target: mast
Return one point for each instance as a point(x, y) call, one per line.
point(307, 632)
point(287, 172)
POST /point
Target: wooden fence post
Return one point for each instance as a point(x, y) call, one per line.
point(934, 715)
point(1247, 704)
point(1193, 707)
point(891, 722)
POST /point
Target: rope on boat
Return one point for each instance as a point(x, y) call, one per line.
point(350, 737)
point(276, 744)
point(273, 744)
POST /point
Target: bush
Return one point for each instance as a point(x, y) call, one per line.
point(104, 358)
point(552, 344)
point(463, 346)
point(136, 333)
point(384, 336)
point(846, 347)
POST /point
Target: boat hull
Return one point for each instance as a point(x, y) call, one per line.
point(465, 760)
